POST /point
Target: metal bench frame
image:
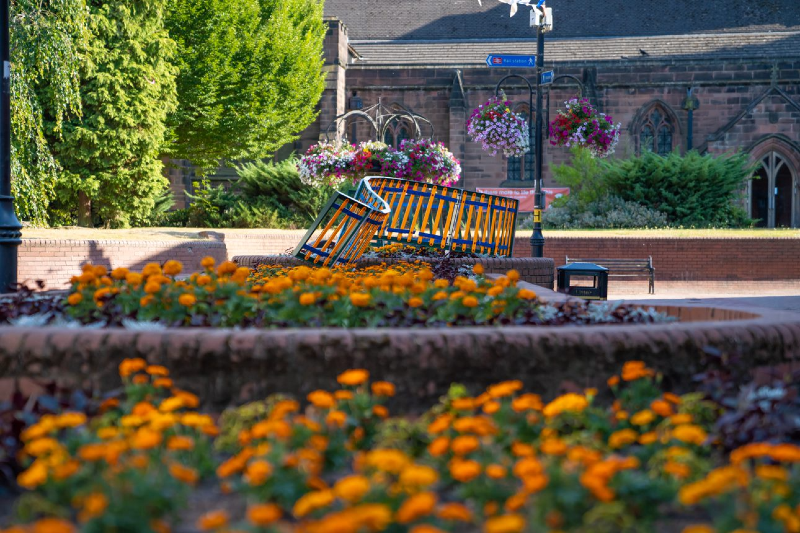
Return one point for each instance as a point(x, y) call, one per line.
point(625, 268)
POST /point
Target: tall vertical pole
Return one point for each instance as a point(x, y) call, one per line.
point(537, 239)
point(10, 228)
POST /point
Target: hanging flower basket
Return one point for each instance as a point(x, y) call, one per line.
point(498, 128)
point(582, 125)
point(419, 160)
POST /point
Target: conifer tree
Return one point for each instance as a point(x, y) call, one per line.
point(110, 156)
point(250, 76)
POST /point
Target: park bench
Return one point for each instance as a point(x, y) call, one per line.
point(625, 268)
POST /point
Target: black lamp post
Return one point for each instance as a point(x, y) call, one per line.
point(10, 228)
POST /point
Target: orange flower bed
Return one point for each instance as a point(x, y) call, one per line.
point(504, 461)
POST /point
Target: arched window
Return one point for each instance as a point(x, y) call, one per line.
point(657, 132)
point(397, 131)
point(514, 169)
point(772, 196)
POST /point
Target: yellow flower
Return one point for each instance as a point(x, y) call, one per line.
point(168, 405)
point(477, 269)
point(351, 488)
point(75, 298)
point(353, 378)
point(553, 446)
point(180, 442)
point(387, 460)
point(441, 295)
point(495, 471)
point(510, 523)
point(415, 302)
point(212, 520)
point(699, 528)
point(662, 408)
point(633, 370)
point(642, 418)
point(157, 370)
point(439, 446)
point(336, 419)
point(464, 445)
point(416, 507)
point(131, 366)
point(145, 439)
point(506, 388)
point(258, 472)
point(262, 515)
point(321, 399)
point(207, 262)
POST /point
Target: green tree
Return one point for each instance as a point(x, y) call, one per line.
point(250, 76)
point(46, 37)
point(110, 157)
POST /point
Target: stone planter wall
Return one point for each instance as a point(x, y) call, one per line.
point(228, 367)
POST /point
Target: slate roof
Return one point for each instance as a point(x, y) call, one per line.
point(465, 19)
point(784, 45)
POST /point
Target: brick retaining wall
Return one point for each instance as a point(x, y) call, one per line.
point(675, 259)
point(56, 261)
point(685, 259)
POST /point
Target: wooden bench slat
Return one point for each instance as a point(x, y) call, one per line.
point(623, 268)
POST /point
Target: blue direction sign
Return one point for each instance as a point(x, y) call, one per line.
point(510, 61)
point(547, 77)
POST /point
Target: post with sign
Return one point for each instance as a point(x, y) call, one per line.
point(537, 238)
point(10, 228)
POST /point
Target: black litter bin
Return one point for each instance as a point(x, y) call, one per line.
point(598, 274)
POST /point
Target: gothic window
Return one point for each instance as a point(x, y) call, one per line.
point(403, 134)
point(656, 132)
point(396, 132)
point(514, 171)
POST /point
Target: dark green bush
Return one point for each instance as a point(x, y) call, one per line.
point(605, 213)
point(692, 190)
point(266, 195)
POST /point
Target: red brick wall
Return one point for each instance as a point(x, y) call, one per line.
point(678, 259)
point(56, 261)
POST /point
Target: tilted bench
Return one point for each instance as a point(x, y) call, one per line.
point(625, 268)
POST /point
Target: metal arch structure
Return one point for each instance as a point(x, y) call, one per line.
point(581, 89)
point(380, 119)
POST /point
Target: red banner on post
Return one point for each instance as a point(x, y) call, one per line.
point(526, 197)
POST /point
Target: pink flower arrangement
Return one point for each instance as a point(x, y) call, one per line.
point(498, 128)
point(582, 125)
point(418, 160)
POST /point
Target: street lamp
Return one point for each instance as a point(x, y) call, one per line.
point(10, 228)
point(542, 20)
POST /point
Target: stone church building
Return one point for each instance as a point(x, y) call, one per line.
point(714, 75)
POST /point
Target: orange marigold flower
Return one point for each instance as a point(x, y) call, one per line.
point(648, 438)
point(92, 506)
point(207, 262)
point(495, 471)
point(180, 442)
point(643, 418)
point(321, 399)
point(145, 439)
point(353, 378)
point(470, 301)
point(418, 476)
point(506, 388)
point(164, 383)
point(426, 528)
point(622, 438)
point(187, 299)
point(509, 523)
point(679, 470)
point(307, 298)
point(699, 528)
point(553, 446)
point(343, 395)
point(525, 294)
point(336, 418)
point(35, 475)
point(672, 398)
point(690, 433)
point(570, 402)
point(258, 472)
point(454, 512)
point(52, 525)
point(415, 302)
point(380, 411)
point(416, 507)
point(75, 298)
point(312, 501)
point(262, 515)
point(183, 473)
point(157, 370)
point(383, 388)
point(439, 446)
point(464, 470)
point(633, 370)
point(662, 408)
point(464, 445)
point(613, 381)
point(527, 402)
point(441, 295)
point(173, 267)
point(352, 488)
point(360, 299)
point(226, 268)
point(212, 520)
point(131, 366)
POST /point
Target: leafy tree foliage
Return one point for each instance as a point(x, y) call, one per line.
point(250, 76)
point(45, 40)
point(110, 156)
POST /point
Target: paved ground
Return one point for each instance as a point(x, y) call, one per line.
point(782, 296)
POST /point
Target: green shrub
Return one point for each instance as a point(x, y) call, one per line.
point(692, 190)
point(583, 176)
point(610, 212)
point(266, 195)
